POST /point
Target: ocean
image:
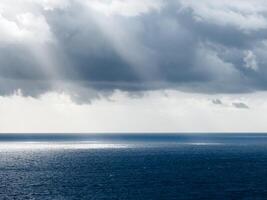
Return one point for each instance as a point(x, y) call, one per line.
point(133, 167)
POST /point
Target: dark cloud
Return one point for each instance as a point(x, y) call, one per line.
point(240, 105)
point(152, 50)
point(217, 102)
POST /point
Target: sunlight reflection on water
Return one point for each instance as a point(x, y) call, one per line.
point(13, 146)
point(203, 143)
point(58, 145)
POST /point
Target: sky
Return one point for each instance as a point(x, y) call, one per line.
point(133, 66)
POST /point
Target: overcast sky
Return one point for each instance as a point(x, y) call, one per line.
point(129, 65)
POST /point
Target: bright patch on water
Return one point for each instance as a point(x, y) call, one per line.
point(203, 143)
point(59, 145)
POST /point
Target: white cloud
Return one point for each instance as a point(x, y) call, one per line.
point(25, 28)
point(23, 22)
point(34, 27)
point(129, 8)
point(159, 111)
point(9, 30)
point(244, 14)
point(250, 60)
point(53, 4)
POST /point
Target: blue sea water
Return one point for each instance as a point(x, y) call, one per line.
point(129, 167)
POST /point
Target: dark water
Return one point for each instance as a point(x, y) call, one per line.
point(134, 167)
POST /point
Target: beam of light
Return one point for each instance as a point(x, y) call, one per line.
point(31, 31)
point(126, 44)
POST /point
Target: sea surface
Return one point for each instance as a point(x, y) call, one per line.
point(133, 167)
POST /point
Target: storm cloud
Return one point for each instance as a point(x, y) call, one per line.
point(80, 46)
